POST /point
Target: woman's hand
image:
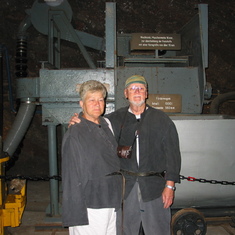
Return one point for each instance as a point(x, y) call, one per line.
point(74, 119)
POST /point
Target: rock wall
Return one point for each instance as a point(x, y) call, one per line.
point(155, 16)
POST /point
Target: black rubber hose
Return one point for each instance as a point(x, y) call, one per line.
point(214, 109)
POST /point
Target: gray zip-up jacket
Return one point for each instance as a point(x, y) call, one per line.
point(88, 156)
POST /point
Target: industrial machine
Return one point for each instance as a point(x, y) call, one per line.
point(12, 204)
point(174, 66)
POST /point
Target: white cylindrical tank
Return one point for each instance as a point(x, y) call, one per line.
point(207, 144)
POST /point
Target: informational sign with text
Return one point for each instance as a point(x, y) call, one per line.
point(169, 103)
point(147, 41)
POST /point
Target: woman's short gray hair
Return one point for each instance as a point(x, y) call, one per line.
point(92, 86)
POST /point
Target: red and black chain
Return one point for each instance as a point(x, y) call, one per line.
point(58, 177)
point(193, 179)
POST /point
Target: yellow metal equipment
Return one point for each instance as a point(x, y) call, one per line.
point(11, 205)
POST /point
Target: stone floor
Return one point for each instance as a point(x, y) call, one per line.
point(35, 221)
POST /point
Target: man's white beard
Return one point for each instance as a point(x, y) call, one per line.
point(138, 104)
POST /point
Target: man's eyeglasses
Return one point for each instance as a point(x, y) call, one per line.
point(135, 88)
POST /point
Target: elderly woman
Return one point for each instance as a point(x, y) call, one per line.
point(91, 188)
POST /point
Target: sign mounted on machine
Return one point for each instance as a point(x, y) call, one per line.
point(154, 41)
point(169, 103)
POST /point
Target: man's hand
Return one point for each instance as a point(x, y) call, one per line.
point(74, 119)
point(168, 195)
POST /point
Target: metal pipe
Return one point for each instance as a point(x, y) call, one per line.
point(24, 25)
point(110, 29)
point(54, 184)
point(214, 109)
point(28, 105)
point(20, 125)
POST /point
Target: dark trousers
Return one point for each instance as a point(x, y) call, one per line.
point(154, 218)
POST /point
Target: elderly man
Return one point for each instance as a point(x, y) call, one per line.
point(154, 165)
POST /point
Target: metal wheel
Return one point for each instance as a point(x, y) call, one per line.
point(188, 221)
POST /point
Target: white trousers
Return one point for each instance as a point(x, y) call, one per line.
point(101, 222)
